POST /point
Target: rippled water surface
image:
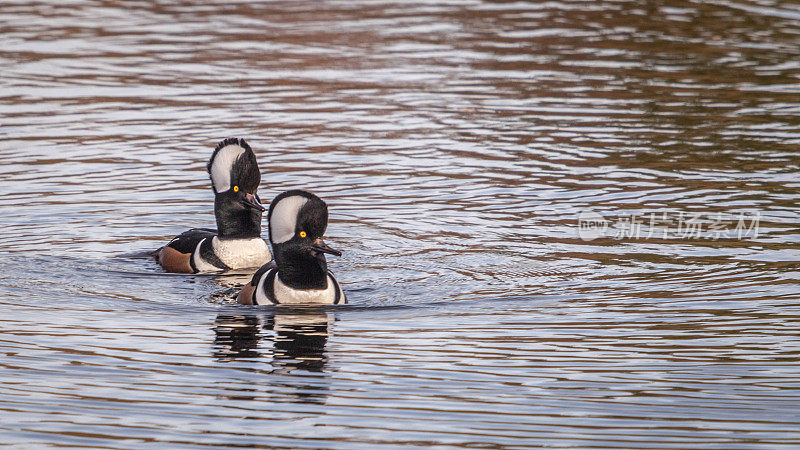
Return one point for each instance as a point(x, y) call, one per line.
point(567, 224)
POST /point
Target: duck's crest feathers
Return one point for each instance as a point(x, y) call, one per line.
point(222, 160)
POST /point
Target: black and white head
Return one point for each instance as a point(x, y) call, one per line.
point(235, 178)
point(297, 222)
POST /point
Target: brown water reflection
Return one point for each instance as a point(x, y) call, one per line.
point(457, 144)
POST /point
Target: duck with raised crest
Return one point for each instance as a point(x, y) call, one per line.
point(237, 242)
point(299, 275)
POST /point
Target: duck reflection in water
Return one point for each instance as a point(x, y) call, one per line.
point(290, 341)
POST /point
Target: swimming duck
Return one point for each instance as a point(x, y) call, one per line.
point(299, 273)
point(237, 242)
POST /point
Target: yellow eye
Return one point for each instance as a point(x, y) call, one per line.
point(303, 234)
point(236, 189)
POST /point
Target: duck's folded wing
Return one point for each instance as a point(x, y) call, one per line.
point(187, 241)
point(176, 256)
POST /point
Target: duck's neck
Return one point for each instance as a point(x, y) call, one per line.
point(302, 271)
point(236, 221)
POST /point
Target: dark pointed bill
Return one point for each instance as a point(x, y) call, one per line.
point(320, 246)
point(251, 201)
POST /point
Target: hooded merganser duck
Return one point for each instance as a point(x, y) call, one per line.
point(299, 274)
point(237, 242)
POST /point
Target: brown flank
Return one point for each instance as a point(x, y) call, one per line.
point(174, 261)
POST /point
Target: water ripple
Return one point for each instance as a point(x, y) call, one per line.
point(457, 144)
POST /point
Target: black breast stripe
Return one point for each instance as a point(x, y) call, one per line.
point(259, 273)
point(188, 241)
point(269, 286)
point(255, 279)
point(207, 253)
point(191, 263)
point(336, 288)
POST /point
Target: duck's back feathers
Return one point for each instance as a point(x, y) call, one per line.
point(187, 241)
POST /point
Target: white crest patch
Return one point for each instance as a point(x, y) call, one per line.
point(286, 295)
point(241, 253)
point(222, 165)
point(283, 220)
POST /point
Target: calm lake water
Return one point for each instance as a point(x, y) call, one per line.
point(564, 224)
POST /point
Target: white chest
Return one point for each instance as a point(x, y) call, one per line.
point(287, 295)
point(241, 253)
